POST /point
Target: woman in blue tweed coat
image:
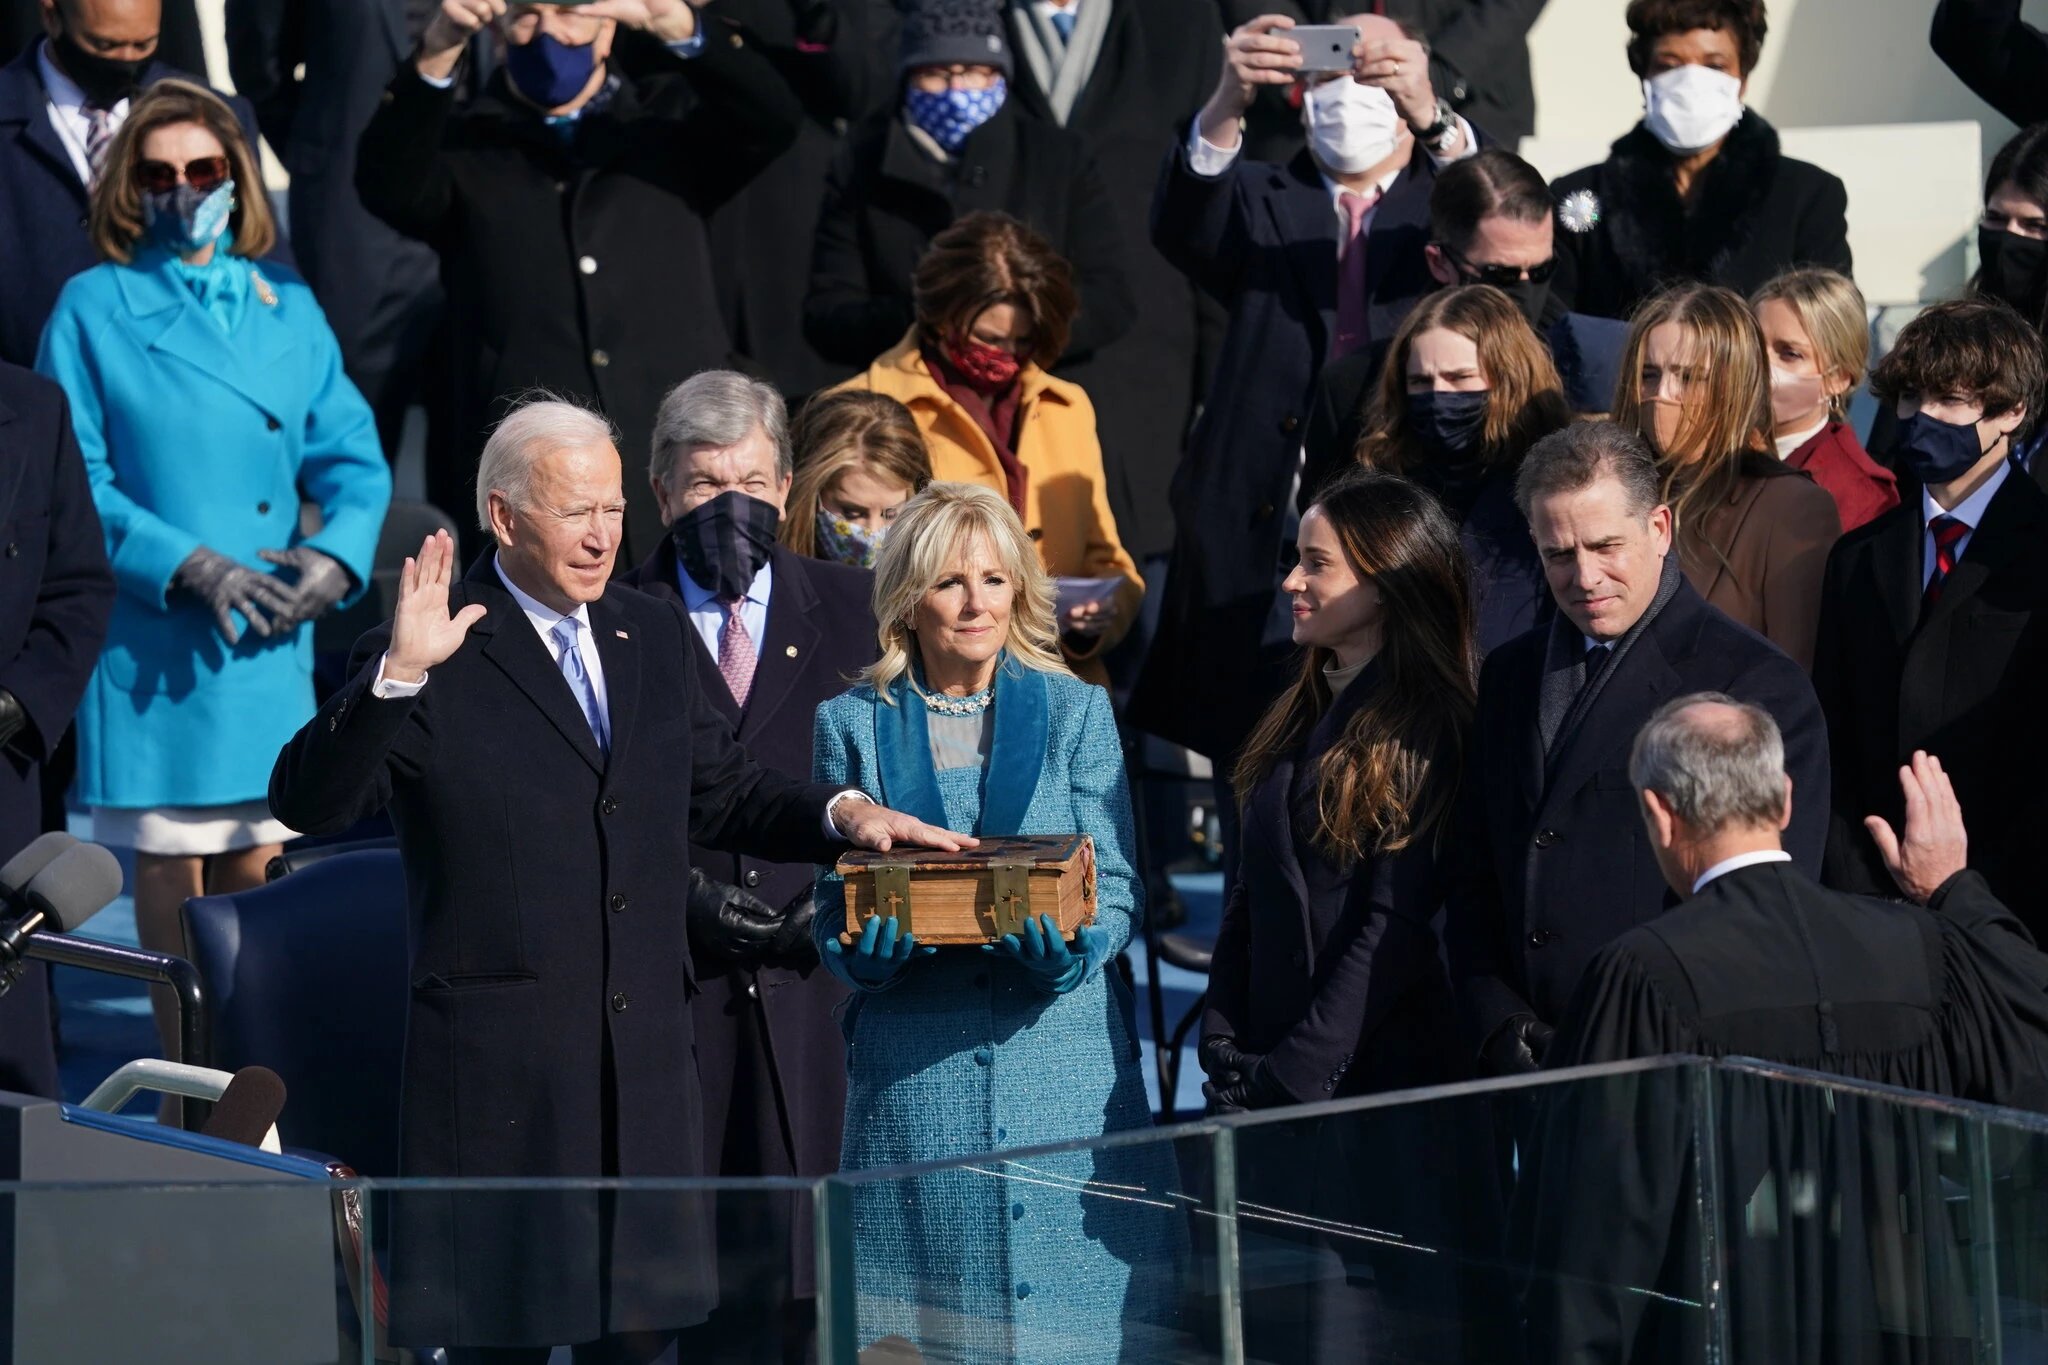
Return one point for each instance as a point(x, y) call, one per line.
point(970, 720)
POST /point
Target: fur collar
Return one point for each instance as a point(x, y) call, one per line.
point(1654, 235)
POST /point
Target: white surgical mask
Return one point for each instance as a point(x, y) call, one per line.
point(1351, 127)
point(1690, 107)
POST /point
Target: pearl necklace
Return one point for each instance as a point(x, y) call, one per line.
point(960, 706)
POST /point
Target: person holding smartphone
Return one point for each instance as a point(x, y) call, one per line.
point(1335, 235)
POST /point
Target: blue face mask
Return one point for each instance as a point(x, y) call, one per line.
point(950, 115)
point(842, 542)
point(549, 72)
point(1934, 451)
point(183, 220)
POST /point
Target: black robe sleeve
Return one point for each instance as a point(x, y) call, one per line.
point(1618, 1012)
point(1994, 1020)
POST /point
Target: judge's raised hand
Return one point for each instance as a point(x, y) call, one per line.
point(423, 634)
point(1935, 845)
point(865, 824)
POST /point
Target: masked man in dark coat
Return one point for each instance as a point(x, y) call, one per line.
point(568, 202)
point(549, 757)
point(1313, 259)
point(775, 634)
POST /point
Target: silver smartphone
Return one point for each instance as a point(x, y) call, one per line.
point(1324, 47)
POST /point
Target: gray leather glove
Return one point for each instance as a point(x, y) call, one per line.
point(227, 587)
point(321, 582)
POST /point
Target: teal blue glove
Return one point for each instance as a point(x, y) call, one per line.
point(876, 956)
point(1053, 965)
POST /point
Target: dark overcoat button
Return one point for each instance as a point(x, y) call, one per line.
point(610, 805)
point(262, 509)
point(618, 900)
point(1546, 837)
point(619, 1003)
point(753, 877)
point(272, 423)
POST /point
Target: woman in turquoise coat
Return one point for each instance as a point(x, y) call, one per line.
point(210, 402)
point(971, 720)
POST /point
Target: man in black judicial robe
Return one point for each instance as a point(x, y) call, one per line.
point(1837, 1243)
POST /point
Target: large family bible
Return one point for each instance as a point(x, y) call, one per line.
point(976, 895)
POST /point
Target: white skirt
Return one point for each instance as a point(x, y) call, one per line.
point(190, 831)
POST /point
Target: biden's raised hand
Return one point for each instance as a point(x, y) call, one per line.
point(423, 633)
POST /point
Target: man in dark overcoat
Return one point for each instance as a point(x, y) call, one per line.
point(56, 593)
point(1934, 617)
point(1556, 862)
point(1127, 77)
point(769, 1049)
point(44, 176)
point(570, 218)
point(549, 757)
point(1265, 239)
point(316, 70)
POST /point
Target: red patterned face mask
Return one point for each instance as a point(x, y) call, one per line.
point(984, 366)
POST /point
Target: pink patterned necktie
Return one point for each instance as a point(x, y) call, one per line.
point(736, 652)
point(1351, 273)
point(99, 136)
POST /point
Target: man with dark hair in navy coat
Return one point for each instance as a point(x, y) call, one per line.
point(1313, 260)
point(56, 594)
point(1557, 863)
point(52, 97)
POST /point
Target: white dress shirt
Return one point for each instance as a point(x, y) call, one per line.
point(709, 617)
point(1970, 512)
point(67, 111)
point(1740, 860)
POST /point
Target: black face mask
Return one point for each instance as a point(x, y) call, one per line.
point(106, 82)
point(1449, 424)
point(1529, 296)
point(2013, 269)
point(1934, 451)
point(724, 542)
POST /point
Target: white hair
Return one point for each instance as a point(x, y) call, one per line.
point(536, 428)
point(718, 408)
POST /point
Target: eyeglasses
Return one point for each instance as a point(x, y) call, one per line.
point(934, 79)
point(1502, 276)
point(202, 173)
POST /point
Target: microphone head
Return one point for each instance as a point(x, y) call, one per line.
point(78, 883)
point(40, 853)
point(248, 1107)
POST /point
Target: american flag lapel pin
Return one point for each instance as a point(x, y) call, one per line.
point(621, 634)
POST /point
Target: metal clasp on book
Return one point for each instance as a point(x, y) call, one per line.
point(1012, 891)
point(892, 894)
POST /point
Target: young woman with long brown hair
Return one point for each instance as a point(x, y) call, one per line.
point(1326, 980)
point(1466, 389)
point(1753, 533)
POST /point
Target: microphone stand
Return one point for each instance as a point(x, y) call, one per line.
point(194, 1043)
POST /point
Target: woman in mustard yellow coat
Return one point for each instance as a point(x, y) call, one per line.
point(994, 306)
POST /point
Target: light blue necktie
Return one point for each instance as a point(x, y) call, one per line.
point(1063, 23)
point(579, 681)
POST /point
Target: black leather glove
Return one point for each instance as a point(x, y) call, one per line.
point(793, 943)
point(730, 922)
point(1517, 1047)
point(12, 718)
point(1237, 1080)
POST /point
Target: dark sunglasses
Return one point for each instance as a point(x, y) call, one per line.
point(1501, 276)
point(203, 174)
